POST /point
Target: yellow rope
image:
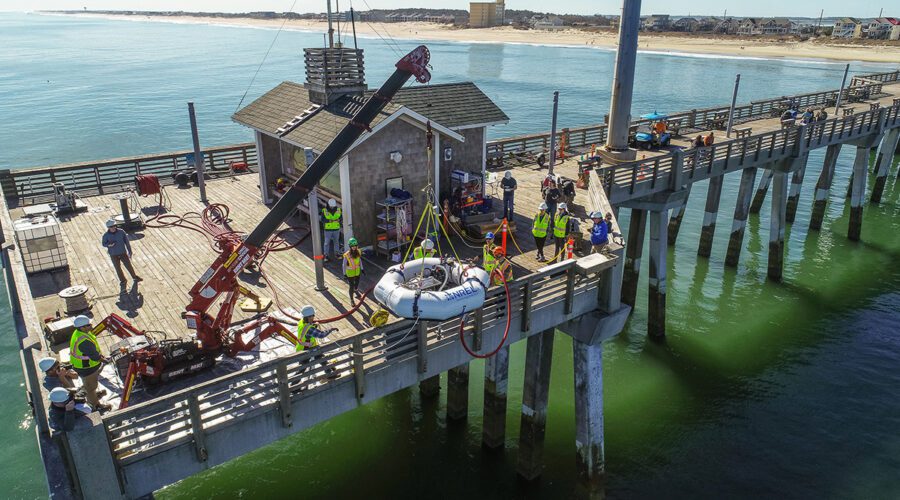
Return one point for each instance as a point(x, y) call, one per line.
point(409, 247)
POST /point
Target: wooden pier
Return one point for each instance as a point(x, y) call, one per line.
point(135, 451)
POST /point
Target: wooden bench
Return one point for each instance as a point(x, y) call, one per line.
point(742, 132)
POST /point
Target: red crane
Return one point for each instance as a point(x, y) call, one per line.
point(164, 360)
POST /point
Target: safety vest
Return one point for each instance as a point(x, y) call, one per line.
point(79, 360)
point(490, 262)
point(539, 228)
point(505, 269)
point(419, 253)
point(332, 220)
point(304, 339)
point(560, 224)
point(353, 267)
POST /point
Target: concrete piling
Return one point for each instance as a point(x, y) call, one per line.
point(633, 250)
point(535, 393)
point(707, 233)
point(760, 195)
point(741, 211)
point(656, 310)
point(430, 387)
point(823, 186)
point(496, 377)
point(858, 192)
point(777, 224)
point(590, 459)
point(677, 216)
point(458, 392)
point(883, 161)
point(794, 194)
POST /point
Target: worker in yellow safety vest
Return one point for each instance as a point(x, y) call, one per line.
point(561, 227)
point(353, 267)
point(504, 268)
point(489, 262)
point(539, 230)
point(308, 335)
point(331, 223)
point(84, 353)
point(425, 250)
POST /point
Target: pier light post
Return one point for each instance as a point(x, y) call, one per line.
point(623, 81)
point(553, 132)
point(737, 83)
point(837, 104)
point(198, 155)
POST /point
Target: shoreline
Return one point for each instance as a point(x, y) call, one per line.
point(669, 44)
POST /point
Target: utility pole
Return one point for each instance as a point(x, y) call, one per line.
point(837, 105)
point(330, 30)
point(819, 26)
point(623, 81)
point(198, 155)
point(737, 83)
point(553, 131)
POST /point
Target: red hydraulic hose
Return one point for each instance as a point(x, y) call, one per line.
point(462, 323)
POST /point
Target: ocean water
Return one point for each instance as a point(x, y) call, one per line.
point(761, 389)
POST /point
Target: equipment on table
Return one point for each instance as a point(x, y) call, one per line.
point(163, 360)
point(40, 241)
point(126, 218)
point(658, 136)
point(432, 289)
point(76, 298)
point(467, 194)
point(59, 331)
point(66, 201)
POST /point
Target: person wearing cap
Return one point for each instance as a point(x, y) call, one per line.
point(552, 195)
point(509, 192)
point(561, 228)
point(488, 262)
point(503, 266)
point(353, 267)
point(599, 233)
point(539, 230)
point(424, 250)
point(55, 371)
point(84, 351)
point(308, 335)
point(62, 409)
point(331, 223)
point(119, 248)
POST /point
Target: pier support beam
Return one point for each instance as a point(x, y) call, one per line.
point(823, 186)
point(777, 224)
point(796, 184)
point(590, 460)
point(741, 211)
point(633, 251)
point(883, 162)
point(458, 392)
point(677, 216)
point(430, 387)
point(707, 233)
point(858, 191)
point(760, 195)
point(656, 320)
point(496, 382)
point(535, 394)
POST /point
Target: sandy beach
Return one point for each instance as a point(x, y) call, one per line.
point(665, 43)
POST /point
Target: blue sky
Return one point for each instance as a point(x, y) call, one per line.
point(805, 8)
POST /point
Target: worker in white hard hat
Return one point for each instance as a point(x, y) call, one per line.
point(508, 183)
point(56, 372)
point(331, 224)
point(425, 249)
point(539, 230)
point(62, 409)
point(119, 248)
point(561, 227)
point(84, 351)
point(308, 335)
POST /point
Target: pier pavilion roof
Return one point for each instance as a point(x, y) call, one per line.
point(453, 106)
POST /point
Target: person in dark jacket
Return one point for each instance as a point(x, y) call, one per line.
point(508, 183)
point(599, 233)
point(552, 195)
point(119, 248)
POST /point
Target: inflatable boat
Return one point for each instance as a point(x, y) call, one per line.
point(432, 289)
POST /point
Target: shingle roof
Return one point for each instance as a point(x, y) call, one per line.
point(451, 105)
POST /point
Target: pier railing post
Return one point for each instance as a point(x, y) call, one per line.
point(633, 250)
point(823, 186)
point(526, 305)
point(741, 211)
point(656, 308)
point(284, 395)
point(496, 383)
point(359, 370)
point(777, 223)
point(422, 347)
point(858, 192)
point(535, 395)
point(197, 428)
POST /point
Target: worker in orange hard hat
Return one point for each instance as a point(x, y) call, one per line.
point(503, 267)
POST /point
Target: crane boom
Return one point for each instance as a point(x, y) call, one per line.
point(221, 277)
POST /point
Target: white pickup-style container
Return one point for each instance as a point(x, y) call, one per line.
point(40, 242)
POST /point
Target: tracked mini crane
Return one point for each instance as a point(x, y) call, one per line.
point(161, 361)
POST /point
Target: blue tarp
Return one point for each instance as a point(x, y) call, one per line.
point(655, 116)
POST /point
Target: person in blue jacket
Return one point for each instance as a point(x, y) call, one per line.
point(599, 233)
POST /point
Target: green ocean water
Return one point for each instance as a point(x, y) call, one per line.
point(760, 390)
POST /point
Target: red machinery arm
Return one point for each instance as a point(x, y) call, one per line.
point(221, 277)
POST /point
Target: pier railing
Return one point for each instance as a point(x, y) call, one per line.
point(640, 178)
point(888, 77)
point(369, 365)
point(35, 185)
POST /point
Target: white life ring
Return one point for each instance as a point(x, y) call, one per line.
point(463, 290)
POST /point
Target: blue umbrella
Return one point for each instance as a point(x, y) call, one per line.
point(655, 116)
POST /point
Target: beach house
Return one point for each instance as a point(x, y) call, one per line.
point(487, 14)
point(884, 28)
point(656, 22)
point(846, 27)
